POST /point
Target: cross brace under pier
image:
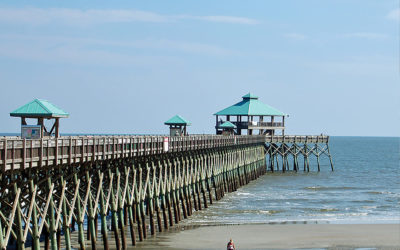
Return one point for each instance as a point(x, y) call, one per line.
point(281, 152)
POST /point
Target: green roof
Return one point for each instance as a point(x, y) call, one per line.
point(39, 108)
point(250, 105)
point(177, 120)
point(227, 124)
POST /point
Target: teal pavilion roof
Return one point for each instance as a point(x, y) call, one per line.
point(227, 124)
point(39, 108)
point(250, 105)
point(177, 120)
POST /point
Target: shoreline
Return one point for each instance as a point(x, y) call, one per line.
point(278, 236)
point(293, 222)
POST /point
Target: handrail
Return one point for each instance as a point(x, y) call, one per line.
point(249, 124)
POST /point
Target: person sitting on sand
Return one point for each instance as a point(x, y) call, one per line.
point(230, 245)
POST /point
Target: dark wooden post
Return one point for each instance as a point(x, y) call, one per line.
point(57, 124)
point(41, 123)
point(216, 124)
point(272, 125)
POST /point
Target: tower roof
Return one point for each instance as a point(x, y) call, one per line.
point(250, 105)
point(250, 96)
point(39, 108)
point(177, 120)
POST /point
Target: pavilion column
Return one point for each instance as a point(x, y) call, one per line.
point(283, 124)
point(272, 125)
point(251, 123)
point(237, 124)
point(57, 124)
point(41, 123)
point(239, 128)
point(216, 124)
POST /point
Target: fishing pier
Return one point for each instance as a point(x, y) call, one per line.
point(103, 192)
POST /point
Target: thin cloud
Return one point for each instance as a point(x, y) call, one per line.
point(82, 56)
point(295, 36)
point(376, 65)
point(367, 35)
point(76, 17)
point(223, 19)
point(190, 47)
point(394, 15)
point(48, 48)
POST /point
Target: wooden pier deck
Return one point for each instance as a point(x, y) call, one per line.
point(17, 153)
point(143, 184)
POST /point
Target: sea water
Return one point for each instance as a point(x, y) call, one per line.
point(363, 188)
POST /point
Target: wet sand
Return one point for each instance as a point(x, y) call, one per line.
point(294, 236)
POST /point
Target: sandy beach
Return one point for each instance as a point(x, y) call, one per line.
point(294, 236)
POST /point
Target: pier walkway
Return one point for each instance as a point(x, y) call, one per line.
point(86, 191)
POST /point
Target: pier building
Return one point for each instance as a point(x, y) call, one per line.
point(228, 128)
point(177, 125)
point(251, 115)
point(40, 110)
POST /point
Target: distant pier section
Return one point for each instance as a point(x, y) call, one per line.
point(102, 192)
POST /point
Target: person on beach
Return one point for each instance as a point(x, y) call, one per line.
point(230, 245)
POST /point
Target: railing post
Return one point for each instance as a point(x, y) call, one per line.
point(23, 154)
point(41, 153)
point(56, 153)
point(5, 155)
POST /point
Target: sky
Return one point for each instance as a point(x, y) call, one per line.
point(128, 66)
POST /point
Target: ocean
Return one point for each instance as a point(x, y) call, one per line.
point(363, 188)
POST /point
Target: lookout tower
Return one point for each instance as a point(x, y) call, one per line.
point(177, 125)
point(251, 114)
point(40, 110)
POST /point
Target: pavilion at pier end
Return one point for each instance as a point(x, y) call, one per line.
point(251, 115)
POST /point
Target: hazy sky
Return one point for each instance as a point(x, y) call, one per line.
point(128, 66)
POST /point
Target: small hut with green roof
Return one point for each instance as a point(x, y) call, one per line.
point(40, 110)
point(177, 125)
point(251, 114)
point(228, 128)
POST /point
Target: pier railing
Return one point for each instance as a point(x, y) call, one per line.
point(253, 124)
point(17, 153)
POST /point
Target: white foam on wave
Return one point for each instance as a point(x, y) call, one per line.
point(244, 193)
